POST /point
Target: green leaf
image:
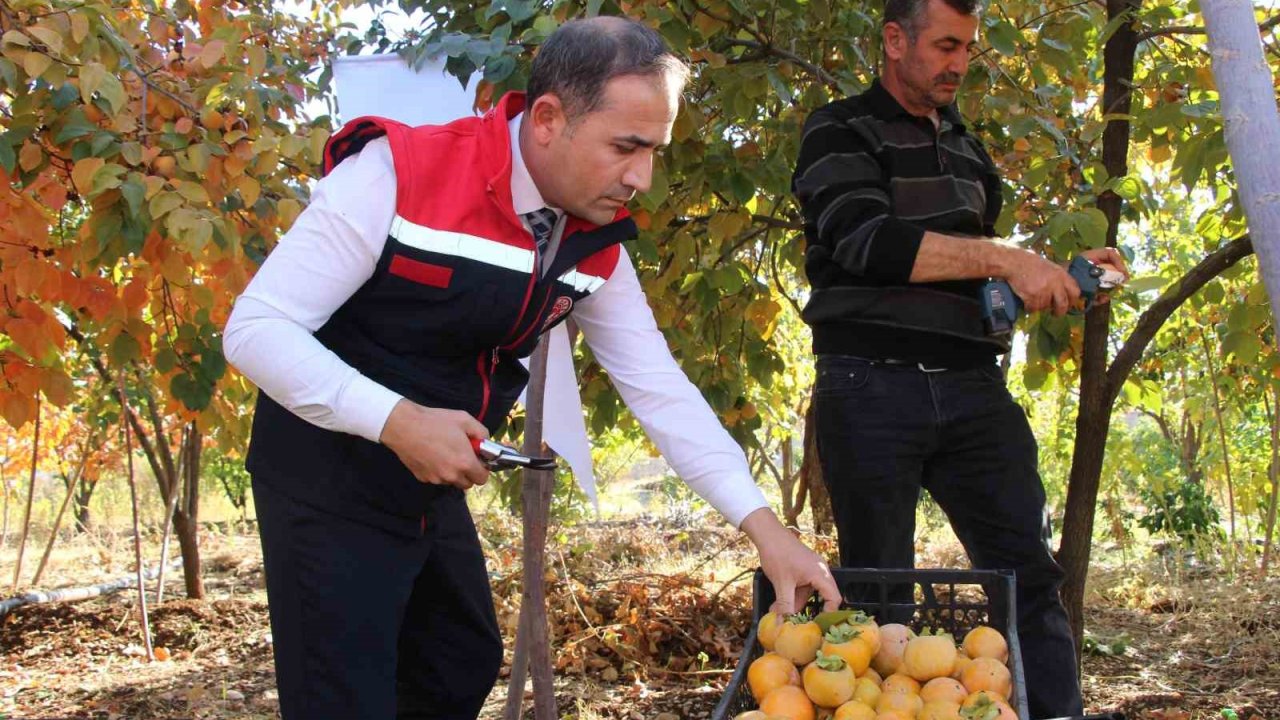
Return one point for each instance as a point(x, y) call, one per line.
point(1146, 283)
point(131, 151)
point(8, 73)
point(112, 90)
point(194, 192)
point(163, 203)
point(91, 77)
point(1092, 226)
point(166, 360)
point(8, 160)
point(124, 349)
point(742, 187)
point(1003, 37)
point(76, 125)
point(826, 620)
point(134, 192)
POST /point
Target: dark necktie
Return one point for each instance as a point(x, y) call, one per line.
point(542, 222)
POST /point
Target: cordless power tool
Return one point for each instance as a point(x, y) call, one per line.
point(1001, 306)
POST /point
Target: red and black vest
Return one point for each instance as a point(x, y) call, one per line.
point(453, 302)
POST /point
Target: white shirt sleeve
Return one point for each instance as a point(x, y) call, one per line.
point(331, 250)
point(619, 327)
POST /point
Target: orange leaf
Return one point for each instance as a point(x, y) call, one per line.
point(136, 295)
point(83, 172)
point(17, 409)
point(183, 126)
point(28, 335)
point(57, 387)
point(28, 276)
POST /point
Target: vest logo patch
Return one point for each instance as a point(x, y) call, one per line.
point(562, 306)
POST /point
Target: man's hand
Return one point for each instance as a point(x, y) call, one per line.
point(435, 444)
point(1108, 258)
point(795, 570)
point(1041, 284)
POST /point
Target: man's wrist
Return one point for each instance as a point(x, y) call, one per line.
point(762, 524)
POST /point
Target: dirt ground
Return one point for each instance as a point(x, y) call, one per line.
point(647, 622)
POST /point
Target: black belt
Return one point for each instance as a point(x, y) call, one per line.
point(909, 364)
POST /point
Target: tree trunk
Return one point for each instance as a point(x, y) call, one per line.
point(1273, 473)
point(31, 496)
point(1222, 438)
point(533, 642)
point(811, 474)
point(1094, 418)
point(84, 494)
point(1247, 93)
point(186, 521)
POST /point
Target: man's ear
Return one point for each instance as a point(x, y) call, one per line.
point(547, 115)
point(895, 40)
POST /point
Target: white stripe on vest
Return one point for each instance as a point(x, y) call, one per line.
point(474, 247)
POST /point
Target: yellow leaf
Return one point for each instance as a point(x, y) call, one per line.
point(83, 172)
point(192, 191)
point(211, 53)
point(79, 26)
point(30, 157)
point(319, 137)
point(13, 37)
point(1204, 75)
point(288, 210)
point(1159, 154)
point(163, 203)
point(257, 56)
point(50, 37)
point(35, 63)
point(91, 77)
point(249, 189)
point(153, 184)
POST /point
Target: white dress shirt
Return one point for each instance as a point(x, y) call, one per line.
point(332, 250)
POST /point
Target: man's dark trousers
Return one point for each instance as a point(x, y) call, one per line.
point(374, 625)
point(886, 430)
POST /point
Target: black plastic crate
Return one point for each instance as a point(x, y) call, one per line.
point(951, 600)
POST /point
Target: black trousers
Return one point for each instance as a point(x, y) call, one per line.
point(373, 625)
point(886, 431)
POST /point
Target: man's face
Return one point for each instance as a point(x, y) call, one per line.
point(933, 66)
point(595, 165)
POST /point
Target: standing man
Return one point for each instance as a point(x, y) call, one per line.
point(899, 200)
point(385, 332)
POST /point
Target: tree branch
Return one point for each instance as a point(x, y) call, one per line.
point(1197, 30)
point(1155, 316)
point(814, 70)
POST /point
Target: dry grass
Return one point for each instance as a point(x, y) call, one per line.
point(647, 619)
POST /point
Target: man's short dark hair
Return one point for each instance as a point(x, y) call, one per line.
point(582, 56)
point(909, 14)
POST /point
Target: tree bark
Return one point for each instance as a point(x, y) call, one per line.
point(1094, 420)
point(158, 453)
point(31, 496)
point(1222, 437)
point(534, 652)
point(1252, 123)
point(143, 619)
point(84, 494)
point(1273, 473)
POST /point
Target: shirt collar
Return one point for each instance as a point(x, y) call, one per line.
point(525, 197)
point(886, 107)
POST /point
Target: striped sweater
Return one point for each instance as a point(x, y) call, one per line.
point(871, 180)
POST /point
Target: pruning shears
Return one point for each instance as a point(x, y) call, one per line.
point(497, 456)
